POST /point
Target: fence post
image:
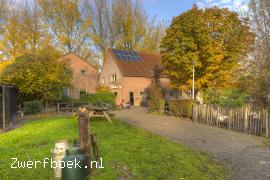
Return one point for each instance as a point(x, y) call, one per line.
point(267, 123)
point(4, 106)
point(83, 118)
point(58, 107)
point(218, 114)
point(72, 107)
point(230, 119)
point(95, 146)
point(196, 113)
point(246, 120)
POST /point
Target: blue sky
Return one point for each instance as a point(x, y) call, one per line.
point(166, 9)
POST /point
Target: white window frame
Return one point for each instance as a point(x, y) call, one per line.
point(67, 90)
point(113, 78)
point(85, 72)
point(81, 90)
point(103, 81)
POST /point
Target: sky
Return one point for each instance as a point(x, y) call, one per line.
point(166, 9)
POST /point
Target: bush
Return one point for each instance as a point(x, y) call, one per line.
point(182, 108)
point(156, 105)
point(65, 99)
point(99, 97)
point(155, 98)
point(32, 107)
point(226, 97)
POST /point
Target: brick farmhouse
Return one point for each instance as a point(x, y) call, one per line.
point(84, 76)
point(128, 74)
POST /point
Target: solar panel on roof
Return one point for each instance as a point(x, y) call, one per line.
point(126, 55)
point(133, 58)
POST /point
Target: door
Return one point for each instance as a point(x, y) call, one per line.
point(131, 98)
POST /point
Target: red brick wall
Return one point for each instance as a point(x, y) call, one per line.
point(89, 81)
point(110, 68)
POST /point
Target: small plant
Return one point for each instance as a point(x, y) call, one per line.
point(32, 107)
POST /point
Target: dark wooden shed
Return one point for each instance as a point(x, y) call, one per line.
point(8, 105)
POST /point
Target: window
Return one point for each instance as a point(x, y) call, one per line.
point(65, 92)
point(142, 93)
point(103, 81)
point(115, 93)
point(113, 78)
point(83, 72)
point(83, 91)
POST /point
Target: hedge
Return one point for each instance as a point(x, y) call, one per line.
point(99, 97)
point(32, 107)
point(182, 108)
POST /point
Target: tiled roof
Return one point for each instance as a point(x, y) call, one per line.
point(137, 67)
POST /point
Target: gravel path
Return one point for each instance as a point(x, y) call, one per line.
point(245, 153)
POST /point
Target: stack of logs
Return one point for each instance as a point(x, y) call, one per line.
point(83, 118)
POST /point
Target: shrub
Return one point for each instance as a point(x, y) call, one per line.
point(32, 107)
point(99, 97)
point(181, 107)
point(65, 99)
point(226, 97)
point(155, 99)
point(156, 105)
point(155, 93)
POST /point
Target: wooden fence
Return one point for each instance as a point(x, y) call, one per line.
point(69, 107)
point(248, 120)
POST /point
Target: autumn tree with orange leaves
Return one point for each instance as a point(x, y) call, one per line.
point(215, 39)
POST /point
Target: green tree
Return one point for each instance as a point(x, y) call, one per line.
point(258, 78)
point(214, 39)
point(23, 31)
point(13, 43)
point(38, 76)
point(232, 97)
point(67, 23)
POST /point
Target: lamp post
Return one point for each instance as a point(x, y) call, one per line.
point(193, 79)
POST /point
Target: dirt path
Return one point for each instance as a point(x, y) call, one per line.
point(245, 154)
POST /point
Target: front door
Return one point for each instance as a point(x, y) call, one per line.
point(131, 98)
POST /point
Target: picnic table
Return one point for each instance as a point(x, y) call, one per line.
point(100, 110)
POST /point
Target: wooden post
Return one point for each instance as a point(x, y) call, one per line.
point(218, 114)
point(58, 107)
point(72, 107)
point(195, 112)
point(246, 120)
point(83, 119)
point(230, 119)
point(95, 146)
point(4, 106)
point(107, 116)
point(267, 123)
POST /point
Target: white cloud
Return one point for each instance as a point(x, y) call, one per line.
point(234, 5)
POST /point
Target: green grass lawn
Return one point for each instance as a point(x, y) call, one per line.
point(126, 152)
